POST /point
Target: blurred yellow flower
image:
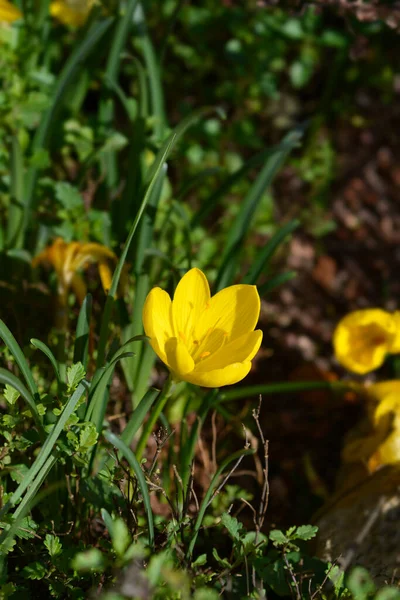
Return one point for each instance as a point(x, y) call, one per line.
point(364, 337)
point(67, 259)
point(377, 441)
point(8, 12)
point(208, 341)
point(71, 12)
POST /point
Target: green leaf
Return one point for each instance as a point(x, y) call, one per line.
point(34, 570)
point(206, 593)
point(278, 537)
point(305, 532)
point(120, 537)
point(87, 437)
point(90, 560)
point(388, 593)
point(233, 526)
point(10, 394)
point(75, 374)
point(360, 583)
point(53, 545)
point(68, 195)
point(18, 472)
point(200, 561)
point(134, 464)
point(336, 576)
point(221, 561)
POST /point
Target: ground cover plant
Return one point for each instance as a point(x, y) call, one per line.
point(150, 156)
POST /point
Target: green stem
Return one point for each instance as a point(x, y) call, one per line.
point(281, 388)
point(148, 427)
point(190, 446)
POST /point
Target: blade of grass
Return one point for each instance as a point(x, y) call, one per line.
point(16, 212)
point(7, 535)
point(208, 497)
point(97, 401)
point(249, 206)
point(106, 111)
point(66, 78)
point(153, 73)
point(265, 255)
point(145, 238)
point(81, 347)
point(46, 449)
point(208, 206)
point(276, 281)
point(135, 465)
point(17, 353)
point(47, 352)
point(139, 414)
point(117, 273)
point(279, 388)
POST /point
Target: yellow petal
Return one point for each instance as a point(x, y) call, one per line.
point(105, 276)
point(69, 266)
point(363, 338)
point(157, 320)
point(90, 253)
point(69, 13)
point(8, 12)
point(395, 346)
point(234, 310)
point(227, 376)
point(191, 297)
point(389, 451)
point(242, 349)
point(178, 357)
point(379, 391)
point(79, 287)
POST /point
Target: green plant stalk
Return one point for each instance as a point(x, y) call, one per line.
point(153, 70)
point(67, 76)
point(208, 497)
point(106, 110)
point(249, 207)
point(135, 465)
point(282, 388)
point(138, 416)
point(147, 360)
point(12, 345)
point(81, 346)
point(105, 323)
point(148, 427)
point(190, 446)
point(15, 213)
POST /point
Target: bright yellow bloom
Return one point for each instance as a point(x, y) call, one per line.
point(71, 12)
point(364, 337)
point(377, 441)
point(68, 259)
point(8, 12)
point(208, 341)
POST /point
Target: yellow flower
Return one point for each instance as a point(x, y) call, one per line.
point(364, 337)
point(68, 259)
point(377, 441)
point(8, 12)
point(71, 12)
point(208, 341)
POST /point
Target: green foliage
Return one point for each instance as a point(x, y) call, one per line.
point(104, 137)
